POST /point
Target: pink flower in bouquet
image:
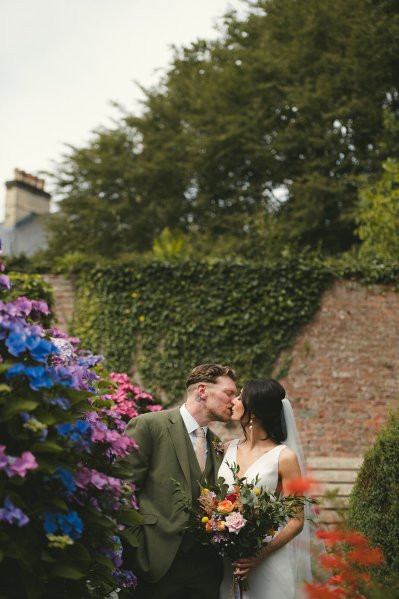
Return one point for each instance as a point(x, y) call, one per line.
point(235, 522)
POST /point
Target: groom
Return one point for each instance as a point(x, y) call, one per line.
point(177, 444)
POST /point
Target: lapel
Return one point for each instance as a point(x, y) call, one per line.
point(177, 435)
point(216, 456)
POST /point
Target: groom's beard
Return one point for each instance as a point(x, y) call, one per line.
point(221, 416)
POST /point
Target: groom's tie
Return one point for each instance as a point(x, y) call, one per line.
point(200, 447)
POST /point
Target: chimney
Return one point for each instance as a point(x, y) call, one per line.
point(25, 195)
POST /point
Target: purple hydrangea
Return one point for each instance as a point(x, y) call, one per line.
point(60, 402)
point(5, 282)
point(125, 579)
point(12, 514)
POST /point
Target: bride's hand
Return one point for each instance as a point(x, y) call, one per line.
point(243, 566)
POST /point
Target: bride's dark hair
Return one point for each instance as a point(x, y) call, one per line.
point(263, 398)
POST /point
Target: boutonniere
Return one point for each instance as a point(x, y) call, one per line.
point(218, 447)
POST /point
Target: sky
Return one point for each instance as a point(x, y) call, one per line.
point(63, 63)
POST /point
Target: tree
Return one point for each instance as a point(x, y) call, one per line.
point(99, 199)
point(379, 215)
point(261, 132)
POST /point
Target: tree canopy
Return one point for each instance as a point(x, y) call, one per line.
point(379, 215)
point(253, 141)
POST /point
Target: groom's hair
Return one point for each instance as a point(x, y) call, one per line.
point(209, 373)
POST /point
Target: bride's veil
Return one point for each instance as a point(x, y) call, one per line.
point(301, 542)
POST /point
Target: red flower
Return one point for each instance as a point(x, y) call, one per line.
point(370, 556)
point(320, 591)
point(299, 486)
point(232, 497)
point(331, 537)
point(356, 539)
point(333, 562)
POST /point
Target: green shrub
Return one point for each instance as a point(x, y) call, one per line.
point(374, 502)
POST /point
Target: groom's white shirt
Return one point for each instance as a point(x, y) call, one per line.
point(191, 425)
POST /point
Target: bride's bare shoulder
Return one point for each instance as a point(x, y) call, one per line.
point(288, 464)
point(288, 456)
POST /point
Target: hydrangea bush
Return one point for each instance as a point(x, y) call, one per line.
point(66, 503)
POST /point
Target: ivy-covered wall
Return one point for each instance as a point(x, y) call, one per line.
point(161, 319)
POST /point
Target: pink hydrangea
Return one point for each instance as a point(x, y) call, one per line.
point(155, 408)
point(120, 445)
point(130, 400)
point(119, 378)
point(87, 477)
point(235, 522)
point(18, 466)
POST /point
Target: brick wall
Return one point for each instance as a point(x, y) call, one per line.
point(344, 369)
point(64, 300)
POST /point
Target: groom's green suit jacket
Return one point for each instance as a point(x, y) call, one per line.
point(164, 454)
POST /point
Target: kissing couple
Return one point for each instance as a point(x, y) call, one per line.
point(178, 445)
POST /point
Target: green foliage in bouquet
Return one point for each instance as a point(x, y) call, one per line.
point(374, 502)
point(239, 523)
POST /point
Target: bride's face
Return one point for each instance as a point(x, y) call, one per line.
point(238, 408)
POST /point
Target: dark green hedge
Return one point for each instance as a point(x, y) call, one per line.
point(162, 319)
point(374, 502)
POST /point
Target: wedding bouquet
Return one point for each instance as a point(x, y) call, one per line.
point(240, 522)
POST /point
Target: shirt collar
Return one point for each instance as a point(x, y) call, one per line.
point(189, 421)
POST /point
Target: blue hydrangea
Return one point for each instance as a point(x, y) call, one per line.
point(40, 349)
point(66, 524)
point(67, 478)
point(79, 433)
point(37, 375)
point(60, 402)
point(16, 342)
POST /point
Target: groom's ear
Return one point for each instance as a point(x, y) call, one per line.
point(201, 391)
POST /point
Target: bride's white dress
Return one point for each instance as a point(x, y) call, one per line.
point(274, 577)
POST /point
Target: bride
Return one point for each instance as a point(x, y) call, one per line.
point(267, 421)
